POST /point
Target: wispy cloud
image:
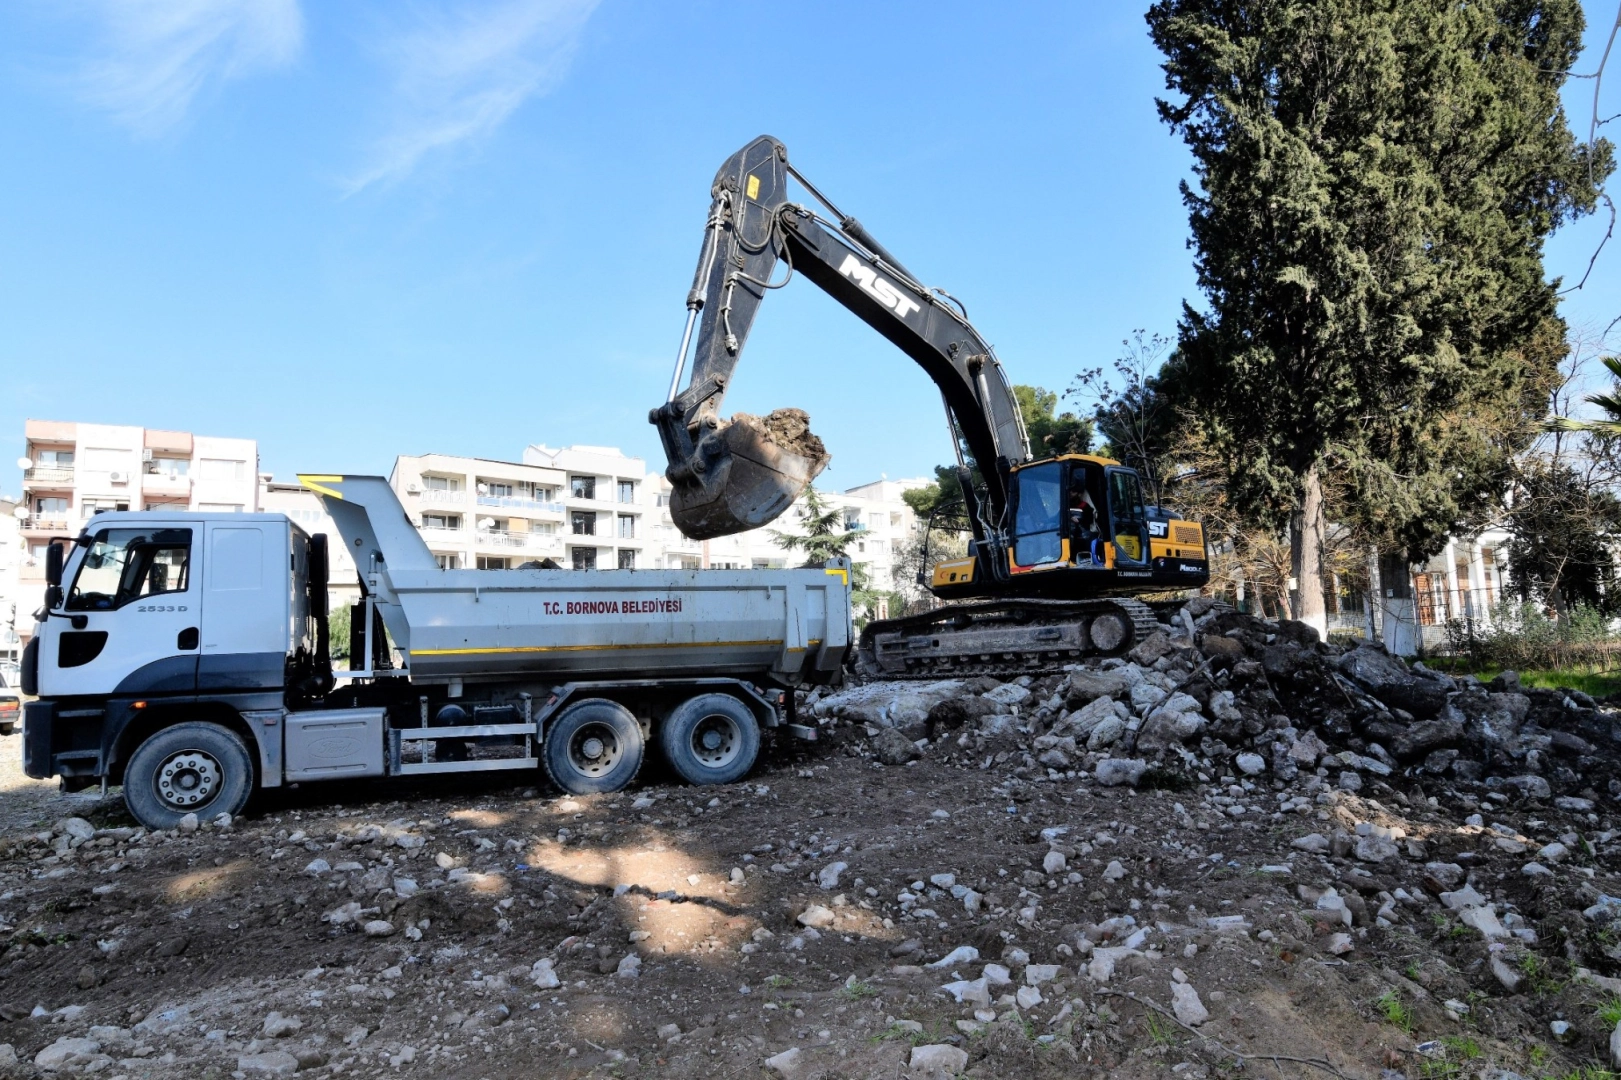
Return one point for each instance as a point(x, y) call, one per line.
point(460, 74)
point(153, 57)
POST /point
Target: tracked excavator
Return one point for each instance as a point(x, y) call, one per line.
point(1062, 547)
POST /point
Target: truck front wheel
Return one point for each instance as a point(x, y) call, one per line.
point(192, 768)
point(593, 747)
point(711, 739)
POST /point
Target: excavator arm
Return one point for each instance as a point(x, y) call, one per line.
point(732, 475)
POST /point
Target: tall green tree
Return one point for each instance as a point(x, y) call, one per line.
point(1375, 182)
point(824, 536)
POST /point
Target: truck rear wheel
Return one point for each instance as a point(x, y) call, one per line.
point(192, 768)
point(711, 739)
point(594, 746)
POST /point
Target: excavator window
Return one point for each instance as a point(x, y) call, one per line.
point(1128, 516)
point(1038, 514)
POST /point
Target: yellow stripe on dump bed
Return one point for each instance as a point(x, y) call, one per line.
point(318, 484)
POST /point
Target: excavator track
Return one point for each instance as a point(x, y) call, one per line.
point(1001, 638)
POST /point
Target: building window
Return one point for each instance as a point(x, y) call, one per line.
point(51, 508)
point(627, 526)
point(170, 466)
point(442, 483)
point(223, 469)
point(492, 562)
point(543, 528)
point(584, 558)
point(92, 507)
point(627, 491)
point(448, 562)
point(495, 490)
point(583, 523)
point(627, 559)
point(583, 487)
point(54, 459)
point(441, 521)
point(545, 494)
point(661, 499)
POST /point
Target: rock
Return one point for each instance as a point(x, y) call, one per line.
point(787, 1064)
point(1573, 804)
point(828, 877)
point(1165, 728)
point(997, 975)
point(1114, 871)
point(962, 954)
point(1186, 1005)
point(1440, 876)
point(1462, 899)
point(1389, 680)
point(1222, 652)
point(272, 1063)
point(1146, 696)
point(1376, 848)
point(1151, 649)
point(1530, 787)
point(1506, 975)
point(666, 1032)
point(1250, 764)
point(1316, 843)
point(1083, 722)
point(1028, 997)
point(1552, 853)
point(1615, 1046)
point(70, 1054)
point(1085, 687)
point(1036, 974)
point(277, 1026)
point(1113, 772)
point(1426, 735)
point(629, 967)
point(969, 991)
point(1505, 682)
point(957, 712)
point(1053, 862)
point(816, 917)
point(1535, 869)
point(1340, 944)
point(543, 976)
point(937, 1061)
point(8, 1055)
point(1008, 694)
point(78, 830)
point(187, 824)
point(1105, 733)
point(1349, 781)
point(318, 867)
point(1223, 706)
point(894, 748)
point(379, 928)
point(1485, 920)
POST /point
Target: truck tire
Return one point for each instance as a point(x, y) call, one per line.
point(711, 739)
point(192, 768)
point(593, 747)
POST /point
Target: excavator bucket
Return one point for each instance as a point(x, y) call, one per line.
point(755, 468)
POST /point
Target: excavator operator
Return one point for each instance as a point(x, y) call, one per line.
point(1083, 516)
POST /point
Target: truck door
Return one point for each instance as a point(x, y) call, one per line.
point(246, 635)
point(1128, 518)
point(132, 614)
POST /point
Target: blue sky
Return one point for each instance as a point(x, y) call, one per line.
point(357, 230)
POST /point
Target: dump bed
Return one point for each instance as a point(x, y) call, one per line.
point(789, 627)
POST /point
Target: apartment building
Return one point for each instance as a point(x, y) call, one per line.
point(72, 471)
point(476, 513)
point(11, 599)
point(605, 494)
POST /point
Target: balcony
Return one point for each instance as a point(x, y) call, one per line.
point(49, 476)
point(513, 502)
point(158, 484)
point(55, 526)
point(544, 543)
point(442, 536)
point(434, 497)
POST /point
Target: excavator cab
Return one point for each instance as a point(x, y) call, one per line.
point(1077, 511)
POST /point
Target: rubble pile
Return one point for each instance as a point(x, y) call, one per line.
point(1220, 692)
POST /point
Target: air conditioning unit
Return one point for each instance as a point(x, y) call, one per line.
point(413, 489)
point(118, 477)
point(146, 455)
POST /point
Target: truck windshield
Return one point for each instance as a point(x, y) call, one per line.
point(128, 564)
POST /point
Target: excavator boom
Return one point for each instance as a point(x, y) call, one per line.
point(732, 475)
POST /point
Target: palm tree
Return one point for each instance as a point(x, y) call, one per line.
point(1610, 403)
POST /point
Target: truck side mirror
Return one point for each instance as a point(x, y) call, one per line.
point(53, 564)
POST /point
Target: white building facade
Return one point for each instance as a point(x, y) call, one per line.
point(73, 471)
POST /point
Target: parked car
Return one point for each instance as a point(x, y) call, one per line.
point(10, 706)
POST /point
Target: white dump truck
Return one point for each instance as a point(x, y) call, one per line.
point(187, 657)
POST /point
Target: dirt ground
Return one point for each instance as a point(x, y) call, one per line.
point(387, 929)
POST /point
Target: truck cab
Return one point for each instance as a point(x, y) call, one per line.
point(155, 619)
